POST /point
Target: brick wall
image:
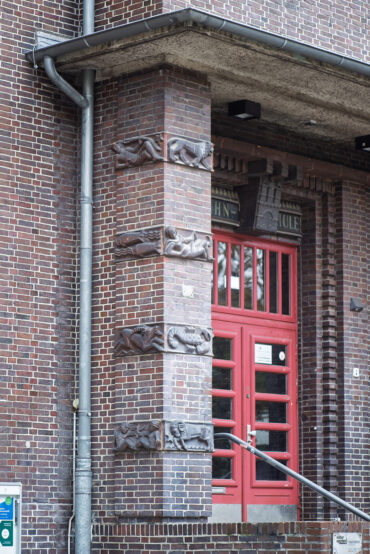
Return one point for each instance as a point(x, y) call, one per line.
point(335, 27)
point(294, 538)
point(39, 140)
point(352, 248)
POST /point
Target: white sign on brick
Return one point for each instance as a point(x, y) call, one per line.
point(347, 543)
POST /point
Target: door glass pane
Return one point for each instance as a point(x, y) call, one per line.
point(285, 278)
point(221, 407)
point(221, 468)
point(261, 280)
point(248, 278)
point(222, 348)
point(222, 273)
point(221, 378)
point(273, 283)
point(265, 472)
point(270, 383)
point(235, 276)
point(273, 441)
point(225, 444)
point(270, 412)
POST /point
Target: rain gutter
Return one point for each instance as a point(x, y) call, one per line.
point(209, 22)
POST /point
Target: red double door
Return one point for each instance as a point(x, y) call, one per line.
point(254, 385)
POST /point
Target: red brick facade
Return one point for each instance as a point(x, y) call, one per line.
point(159, 500)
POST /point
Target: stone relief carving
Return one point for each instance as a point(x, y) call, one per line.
point(189, 339)
point(138, 151)
point(190, 247)
point(142, 339)
point(138, 244)
point(180, 435)
point(190, 152)
point(138, 436)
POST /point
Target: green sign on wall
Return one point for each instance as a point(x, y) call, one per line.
point(6, 533)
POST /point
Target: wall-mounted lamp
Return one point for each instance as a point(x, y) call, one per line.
point(355, 305)
point(363, 143)
point(244, 109)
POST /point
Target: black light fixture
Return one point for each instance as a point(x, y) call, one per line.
point(244, 109)
point(363, 143)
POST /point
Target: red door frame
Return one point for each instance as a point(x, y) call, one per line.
point(245, 327)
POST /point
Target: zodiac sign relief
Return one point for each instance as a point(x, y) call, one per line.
point(190, 339)
point(138, 436)
point(180, 435)
point(137, 151)
point(190, 152)
point(191, 247)
point(138, 244)
point(142, 339)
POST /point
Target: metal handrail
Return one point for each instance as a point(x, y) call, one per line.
point(297, 476)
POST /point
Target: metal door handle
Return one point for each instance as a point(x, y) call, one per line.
point(250, 434)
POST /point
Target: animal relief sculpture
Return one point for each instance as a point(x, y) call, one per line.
point(138, 244)
point(138, 436)
point(189, 339)
point(137, 151)
point(190, 152)
point(188, 436)
point(191, 247)
point(142, 339)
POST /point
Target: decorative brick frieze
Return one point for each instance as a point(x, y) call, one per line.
point(137, 151)
point(179, 243)
point(164, 435)
point(190, 340)
point(141, 339)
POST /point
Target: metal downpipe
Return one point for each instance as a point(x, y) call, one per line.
point(83, 469)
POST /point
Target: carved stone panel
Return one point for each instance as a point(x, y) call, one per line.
point(138, 244)
point(181, 435)
point(138, 151)
point(142, 339)
point(164, 435)
point(192, 340)
point(190, 152)
point(192, 246)
point(138, 436)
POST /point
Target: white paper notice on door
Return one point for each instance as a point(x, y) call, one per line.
point(263, 353)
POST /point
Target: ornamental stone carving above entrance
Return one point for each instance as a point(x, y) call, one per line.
point(138, 151)
point(142, 339)
point(193, 153)
point(190, 339)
